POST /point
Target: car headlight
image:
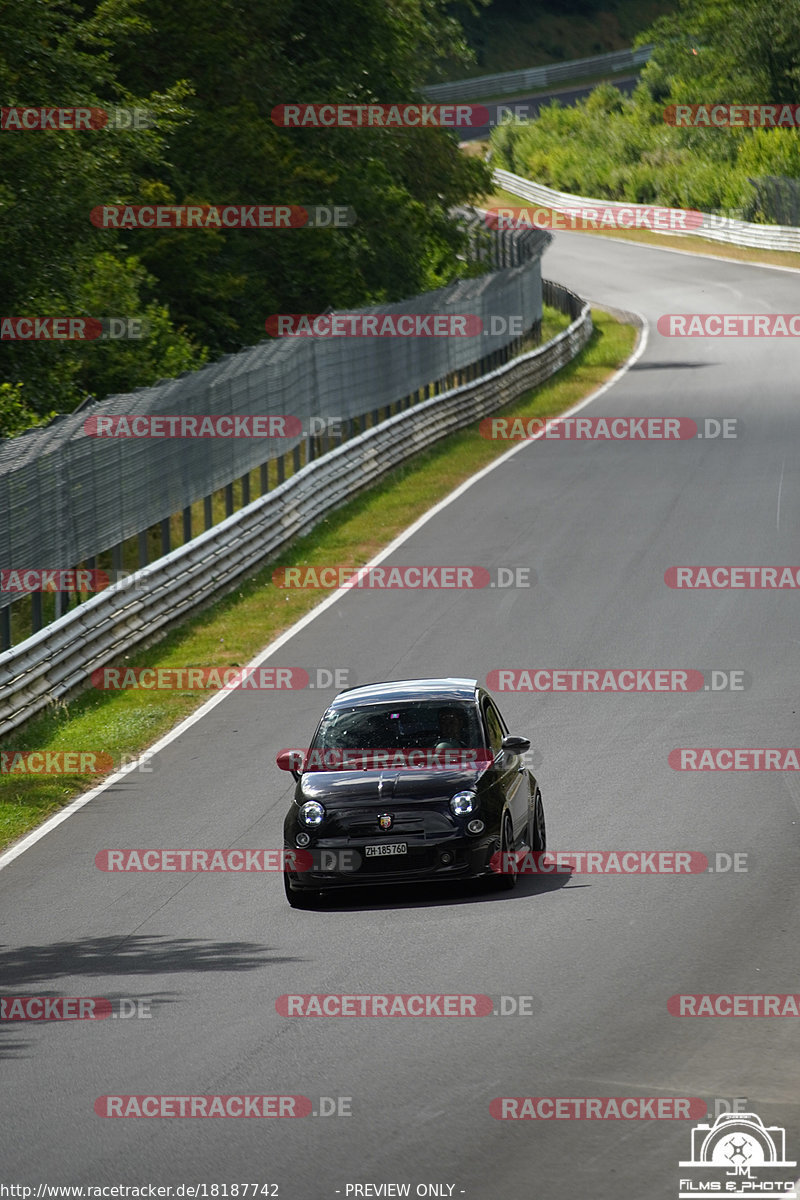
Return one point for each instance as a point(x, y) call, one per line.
point(463, 803)
point(312, 813)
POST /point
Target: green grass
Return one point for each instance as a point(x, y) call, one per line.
point(232, 631)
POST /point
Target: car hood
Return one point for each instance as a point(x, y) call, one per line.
point(384, 787)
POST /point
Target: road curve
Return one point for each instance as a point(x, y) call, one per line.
point(599, 523)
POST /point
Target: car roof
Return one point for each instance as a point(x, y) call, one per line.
point(444, 690)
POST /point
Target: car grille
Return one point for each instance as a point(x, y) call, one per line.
point(358, 824)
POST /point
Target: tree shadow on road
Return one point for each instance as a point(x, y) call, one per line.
point(11, 1043)
point(670, 366)
point(129, 954)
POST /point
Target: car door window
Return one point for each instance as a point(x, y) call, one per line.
point(494, 728)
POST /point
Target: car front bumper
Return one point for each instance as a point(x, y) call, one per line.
point(343, 862)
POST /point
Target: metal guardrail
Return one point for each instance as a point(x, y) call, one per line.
point(57, 661)
point(717, 229)
point(71, 498)
point(510, 82)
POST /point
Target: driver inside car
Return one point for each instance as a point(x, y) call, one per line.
point(451, 730)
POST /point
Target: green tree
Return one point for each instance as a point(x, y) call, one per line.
point(710, 52)
point(243, 60)
point(52, 55)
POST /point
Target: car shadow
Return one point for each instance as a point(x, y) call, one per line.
point(437, 895)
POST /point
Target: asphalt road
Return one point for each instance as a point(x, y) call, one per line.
point(599, 523)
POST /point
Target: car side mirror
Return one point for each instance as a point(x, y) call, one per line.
point(515, 745)
point(290, 760)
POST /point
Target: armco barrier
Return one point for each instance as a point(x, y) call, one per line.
point(717, 229)
point(510, 82)
point(68, 497)
point(48, 666)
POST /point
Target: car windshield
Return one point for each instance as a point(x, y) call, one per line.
point(422, 724)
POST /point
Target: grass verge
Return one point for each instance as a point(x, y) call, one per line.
point(233, 630)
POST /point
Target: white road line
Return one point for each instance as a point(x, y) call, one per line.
point(780, 489)
point(32, 838)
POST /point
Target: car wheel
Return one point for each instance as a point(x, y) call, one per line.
point(296, 897)
point(539, 827)
point(506, 880)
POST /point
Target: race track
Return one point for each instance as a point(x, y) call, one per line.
point(599, 523)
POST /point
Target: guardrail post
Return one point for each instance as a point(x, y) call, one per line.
point(187, 524)
point(5, 627)
point(245, 489)
point(228, 499)
point(208, 512)
point(166, 537)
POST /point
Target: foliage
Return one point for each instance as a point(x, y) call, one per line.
point(710, 52)
point(211, 71)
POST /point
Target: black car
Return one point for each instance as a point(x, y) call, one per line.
point(410, 781)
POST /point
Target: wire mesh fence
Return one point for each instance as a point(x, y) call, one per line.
point(75, 496)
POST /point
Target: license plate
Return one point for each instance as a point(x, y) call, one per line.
point(386, 848)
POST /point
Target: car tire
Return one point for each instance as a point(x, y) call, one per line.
point(539, 826)
point(506, 881)
point(296, 897)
